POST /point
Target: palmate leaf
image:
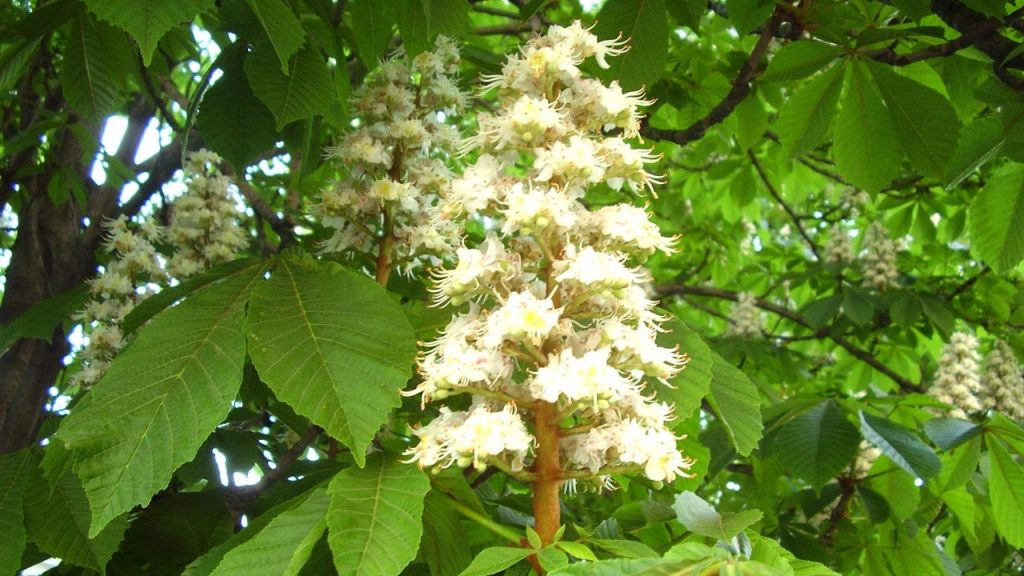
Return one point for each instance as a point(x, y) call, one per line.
point(93, 74)
point(804, 118)
point(1006, 489)
point(334, 346)
point(302, 93)
point(926, 123)
point(817, 444)
point(15, 470)
point(694, 382)
point(865, 151)
point(160, 399)
point(232, 121)
point(735, 399)
point(372, 22)
point(444, 541)
point(282, 27)
point(900, 445)
point(147, 20)
point(701, 518)
point(282, 547)
point(644, 23)
point(58, 523)
point(997, 219)
point(375, 517)
point(495, 559)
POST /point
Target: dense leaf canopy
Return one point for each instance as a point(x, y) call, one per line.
point(845, 183)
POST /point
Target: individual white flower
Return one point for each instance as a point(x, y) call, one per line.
point(527, 210)
point(522, 317)
point(957, 379)
point(577, 161)
point(528, 122)
point(636, 348)
point(597, 270)
point(587, 378)
point(628, 229)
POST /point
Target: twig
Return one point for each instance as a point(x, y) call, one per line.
point(778, 198)
point(284, 226)
point(853, 349)
point(239, 498)
point(740, 89)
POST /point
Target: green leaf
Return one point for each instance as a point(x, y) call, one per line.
point(997, 219)
point(375, 518)
point(301, 94)
point(857, 306)
point(419, 21)
point(14, 61)
point(207, 563)
point(94, 70)
point(158, 302)
point(233, 122)
point(817, 444)
point(1006, 489)
point(751, 123)
point(701, 518)
point(980, 142)
point(616, 567)
point(283, 545)
point(926, 123)
point(371, 26)
point(282, 27)
point(798, 60)
point(625, 548)
point(900, 445)
point(41, 320)
point(495, 559)
point(734, 398)
point(948, 433)
point(160, 399)
point(805, 117)
point(15, 470)
point(444, 541)
point(58, 523)
point(148, 20)
point(338, 361)
point(747, 15)
point(689, 13)
point(865, 151)
point(694, 382)
point(578, 550)
point(644, 23)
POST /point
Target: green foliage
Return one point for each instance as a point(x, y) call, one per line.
point(817, 444)
point(338, 362)
point(128, 439)
point(288, 369)
point(300, 94)
point(147, 20)
point(643, 22)
point(375, 517)
point(865, 151)
point(997, 218)
point(701, 518)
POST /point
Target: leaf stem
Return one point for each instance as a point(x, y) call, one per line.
point(484, 521)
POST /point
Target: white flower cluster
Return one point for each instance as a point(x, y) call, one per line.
point(957, 380)
point(204, 226)
point(395, 162)
point(558, 321)
point(878, 261)
point(854, 200)
point(865, 459)
point(204, 231)
point(133, 264)
point(1002, 381)
point(838, 247)
point(747, 321)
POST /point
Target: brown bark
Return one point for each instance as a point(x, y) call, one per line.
point(547, 512)
point(48, 257)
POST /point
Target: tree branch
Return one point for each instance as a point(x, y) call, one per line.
point(740, 89)
point(239, 498)
point(853, 349)
point(778, 198)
